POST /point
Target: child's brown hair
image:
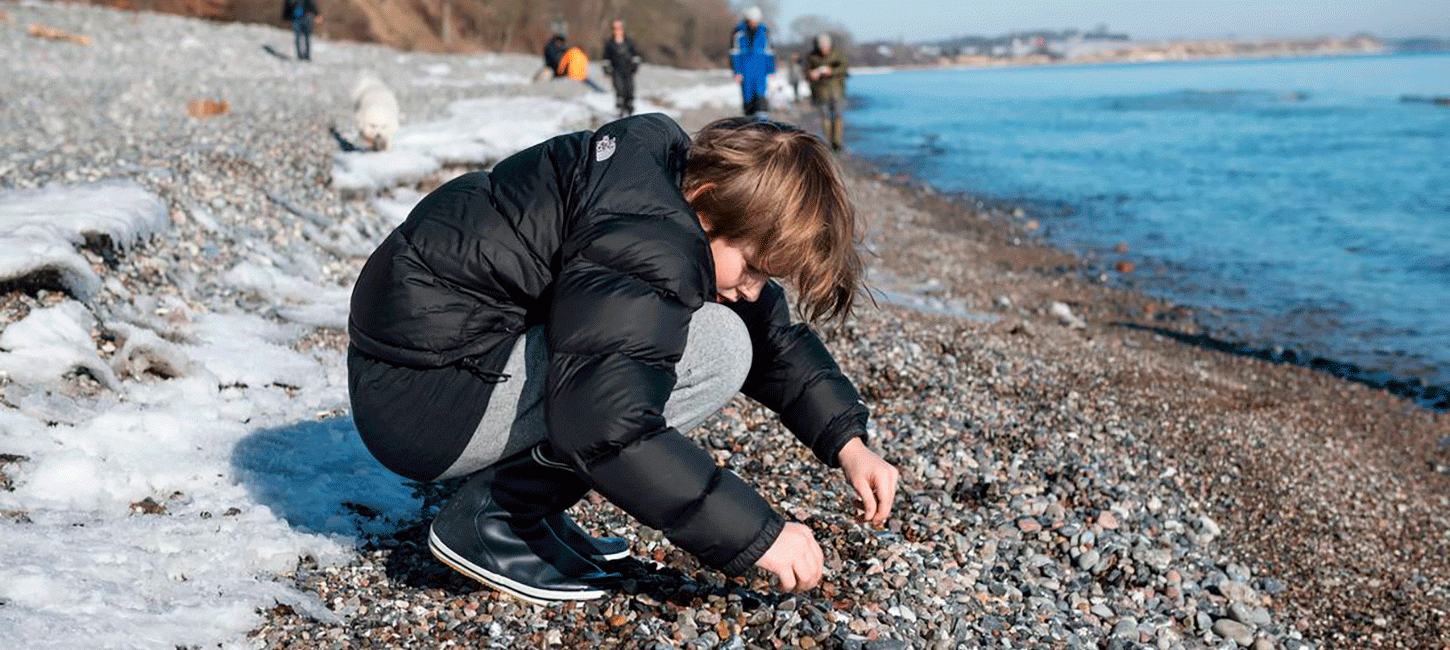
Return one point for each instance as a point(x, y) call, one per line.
point(777, 187)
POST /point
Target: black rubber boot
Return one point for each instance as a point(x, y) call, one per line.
point(493, 531)
point(598, 549)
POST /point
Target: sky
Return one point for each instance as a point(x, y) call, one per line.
point(243, 439)
point(915, 20)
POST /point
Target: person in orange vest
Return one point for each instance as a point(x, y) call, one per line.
point(566, 60)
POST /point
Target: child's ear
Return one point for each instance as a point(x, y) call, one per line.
point(690, 195)
point(690, 198)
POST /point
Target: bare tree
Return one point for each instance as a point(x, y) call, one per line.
point(692, 33)
point(768, 8)
point(805, 28)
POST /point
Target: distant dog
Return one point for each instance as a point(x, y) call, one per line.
point(377, 111)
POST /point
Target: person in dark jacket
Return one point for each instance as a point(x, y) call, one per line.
point(301, 13)
point(556, 324)
point(554, 49)
point(753, 60)
point(621, 61)
point(826, 69)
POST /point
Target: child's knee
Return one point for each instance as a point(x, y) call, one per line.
point(721, 344)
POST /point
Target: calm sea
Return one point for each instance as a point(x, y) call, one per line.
point(1295, 203)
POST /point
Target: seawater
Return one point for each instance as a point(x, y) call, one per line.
point(1299, 203)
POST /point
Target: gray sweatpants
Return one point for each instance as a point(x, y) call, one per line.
point(712, 369)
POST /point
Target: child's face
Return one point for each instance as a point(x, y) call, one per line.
point(735, 278)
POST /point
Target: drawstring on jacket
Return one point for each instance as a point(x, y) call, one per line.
point(472, 365)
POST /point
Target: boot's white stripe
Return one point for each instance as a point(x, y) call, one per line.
point(547, 462)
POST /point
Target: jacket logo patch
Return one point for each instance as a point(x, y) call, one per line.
point(604, 148)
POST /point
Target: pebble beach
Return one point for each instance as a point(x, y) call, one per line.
point(1073, 474)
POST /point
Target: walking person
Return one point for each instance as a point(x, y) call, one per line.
point(793, 72)
point(753, 60)
point(826, 68)
point(302, 14)
point(621, 61)
point(556, 324)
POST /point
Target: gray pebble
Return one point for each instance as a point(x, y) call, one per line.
point(1234, 631)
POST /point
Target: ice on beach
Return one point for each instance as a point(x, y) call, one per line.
point(43, 347)
point(703, 96)
point(394, 208)
point(304, 302)
point(40, 229)
point(476, 131)
point(221, 423)
point(483, 130)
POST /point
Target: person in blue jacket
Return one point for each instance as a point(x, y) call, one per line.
point(753, 60)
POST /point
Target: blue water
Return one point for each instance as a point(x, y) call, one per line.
point(1296, 203)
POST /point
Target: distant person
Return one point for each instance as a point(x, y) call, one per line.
point(753, 60)
point(302, 14)
point(553, 53)
point(564, 60)
point(793, 74)
point(621, 61)
point(826, 70)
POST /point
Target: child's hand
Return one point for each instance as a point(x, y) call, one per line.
point(873, 478)
point(795, 558)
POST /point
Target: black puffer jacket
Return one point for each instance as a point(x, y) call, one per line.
point(588, 234)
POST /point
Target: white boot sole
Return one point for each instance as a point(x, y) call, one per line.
point(500, 583)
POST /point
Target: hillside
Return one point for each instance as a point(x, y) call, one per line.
point(681, 33)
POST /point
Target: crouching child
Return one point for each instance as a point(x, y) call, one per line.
point(556, 324)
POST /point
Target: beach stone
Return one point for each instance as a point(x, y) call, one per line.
point(1203, 622)
point(1208, 527)
point(1260, 617)
point(1234, 631)
point(1272, 586)
point(1241, 613)
point(706, 641)
point(1238, 592)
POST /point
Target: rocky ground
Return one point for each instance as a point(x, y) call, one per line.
point(1073, 475)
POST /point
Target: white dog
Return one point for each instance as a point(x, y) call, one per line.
point(377, 111)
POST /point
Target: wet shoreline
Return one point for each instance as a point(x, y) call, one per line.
point(1116, 269)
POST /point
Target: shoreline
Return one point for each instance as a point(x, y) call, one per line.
point(1081, 63)
point(1404, 374)
point(1193, 332)
point(1161, 321)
